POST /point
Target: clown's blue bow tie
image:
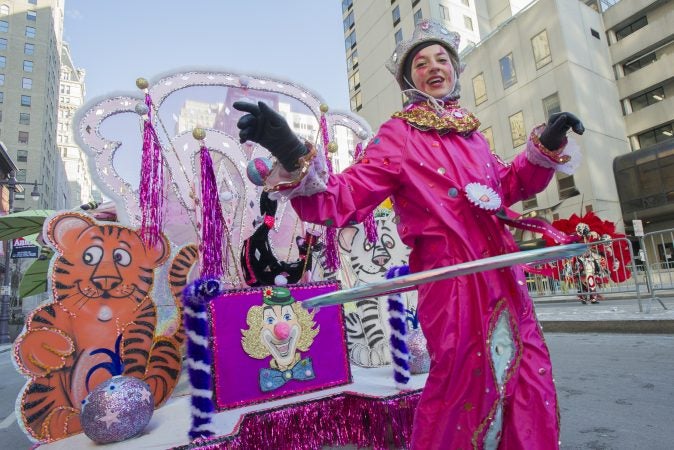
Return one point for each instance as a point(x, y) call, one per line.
point(271, 379)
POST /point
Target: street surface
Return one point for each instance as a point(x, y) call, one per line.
point(616, 391)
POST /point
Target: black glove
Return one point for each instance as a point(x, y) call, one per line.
point(269, 129)
point(559, 123)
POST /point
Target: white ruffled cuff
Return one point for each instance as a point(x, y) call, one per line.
point(566, 161)
point(314, 181)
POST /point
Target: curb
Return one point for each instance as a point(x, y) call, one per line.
point(609, 326)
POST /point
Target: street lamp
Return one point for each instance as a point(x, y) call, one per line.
point(5, 289)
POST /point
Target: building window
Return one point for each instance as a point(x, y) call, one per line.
point(468, 22)
point(352, 60)
point(517, 129)
point(2, 97)
point(551, 105)
point(541, 48)
point(508, 74)
point(631, 28)
point(25, 100)
point(3, 61)
point(27, 83)
point(530, 203)
point(2, 79)
point(488, 134)
point(3, 44)
point(566, 186)
point(595, 33)
point(27, 66)
point(4, 26)
point(22, 155)
point(32, 2)
point(417, 16)
point(23, 137)
point(354, 81)
point(479, 89)
point(31, 15)
point(415, 3)
point(4, 10)
point(350, 41)
point(641, 101)
point(28, 49)
point(348, 22)
point(346, 5)
point(30, 32)
point(357, 101)
point(466, 2)
point(444, 12)
point(398, 36)
point(21, 175)
point(635, 65)
point(24, 118)
point(396, 15)
point(654, 136)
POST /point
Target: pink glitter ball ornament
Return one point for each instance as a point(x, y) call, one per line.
point(258, 170)
point(420, 360)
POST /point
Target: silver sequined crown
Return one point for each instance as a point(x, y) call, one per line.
point(425, 31)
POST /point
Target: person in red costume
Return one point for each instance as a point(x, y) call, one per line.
point(490, 384)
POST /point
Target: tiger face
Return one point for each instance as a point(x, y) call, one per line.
point(103, 269)
point(370, 261)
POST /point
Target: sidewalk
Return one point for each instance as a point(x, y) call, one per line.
point(607, 316)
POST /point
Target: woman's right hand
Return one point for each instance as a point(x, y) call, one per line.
point(268, 128)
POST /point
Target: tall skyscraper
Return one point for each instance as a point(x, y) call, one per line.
point(71, 97)
point(30, 62)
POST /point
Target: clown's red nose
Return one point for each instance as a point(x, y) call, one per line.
point(282, 330)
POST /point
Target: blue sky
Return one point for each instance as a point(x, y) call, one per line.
point(296, 40)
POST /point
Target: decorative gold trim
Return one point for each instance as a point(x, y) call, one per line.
point(279, 179)
point(455, 119)
point(554, 155)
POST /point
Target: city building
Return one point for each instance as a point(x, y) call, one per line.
point(30, 61)
point(197, 114)
point(642, 53)
point(71, 97)
point(525, 60)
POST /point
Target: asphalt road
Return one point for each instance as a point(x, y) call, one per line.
point(616, 391)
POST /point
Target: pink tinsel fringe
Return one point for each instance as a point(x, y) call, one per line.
point(331, 251)
point(368, 223)
point(151, 182)
point(212, 221)
point(346, 418)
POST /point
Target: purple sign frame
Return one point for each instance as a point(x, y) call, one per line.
point(236, 374)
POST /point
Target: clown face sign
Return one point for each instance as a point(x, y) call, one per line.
point(267, 346)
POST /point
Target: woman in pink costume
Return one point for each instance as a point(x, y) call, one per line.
point(490, 384)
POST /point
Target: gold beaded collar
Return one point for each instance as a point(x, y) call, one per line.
point(455, 119)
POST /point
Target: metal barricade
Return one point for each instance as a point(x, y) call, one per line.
point(657, 258)
point(607, 268)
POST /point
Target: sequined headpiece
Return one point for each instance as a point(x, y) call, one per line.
point(425, 31)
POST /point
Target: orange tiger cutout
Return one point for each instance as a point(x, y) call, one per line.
point(102, 317)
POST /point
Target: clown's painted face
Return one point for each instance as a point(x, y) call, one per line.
point(432, 71)
point(280, 332)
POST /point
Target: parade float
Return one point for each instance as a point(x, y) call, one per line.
point(174, 315)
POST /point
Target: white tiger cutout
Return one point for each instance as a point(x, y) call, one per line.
point(367, 327)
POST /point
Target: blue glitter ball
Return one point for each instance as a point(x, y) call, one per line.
point(117, 409)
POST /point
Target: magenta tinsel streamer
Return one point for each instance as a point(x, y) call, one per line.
point(212, 221)
point(368, 223)
point(151, 182)
point(365, 422)
point(331, 252)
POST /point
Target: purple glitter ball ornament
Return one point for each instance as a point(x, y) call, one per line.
point(420, 360)
point(258, 169)
point(117, 409)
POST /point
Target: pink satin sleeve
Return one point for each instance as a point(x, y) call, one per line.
point(355, 192)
